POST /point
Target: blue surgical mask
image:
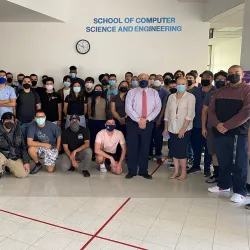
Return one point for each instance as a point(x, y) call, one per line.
point(2, 80)
point(110, 128)
point(112, 82)
point(143, 84)
point(134, 83)
point(73, 75)
point(40, 121)
point(77, 89)
point(181, 88)
point(66, 84)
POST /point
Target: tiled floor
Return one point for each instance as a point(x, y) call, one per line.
point(67, 211)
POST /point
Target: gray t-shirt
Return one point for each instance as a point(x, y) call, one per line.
point(47, 134)
point(206, 102)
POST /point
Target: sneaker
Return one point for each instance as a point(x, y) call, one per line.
point(237, 198)
point(86, 173)
point(146, 176)
point(129, 176)
point(71, 169)
point(217, 189)
point(159, 161)
point(103, 169)
point(207, 174)
point(193, 170)
point(212, 179)
point(171, 166)
point(191, 161)
point(37, 168)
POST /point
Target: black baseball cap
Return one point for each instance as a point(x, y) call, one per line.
point(74, 117)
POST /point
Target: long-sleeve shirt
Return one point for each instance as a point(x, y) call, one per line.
point(231, 106)
point(133, 105)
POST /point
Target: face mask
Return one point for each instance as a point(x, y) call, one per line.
point(104, 82)
point(177, 77)
point(20, 81)
point(123, 89)
point(34, 83)
point(2, 80)
point(181, 88)
point(143, 84)
point(166, 81)
point(220, 83)
point(134, 83)
point(26, 85)
point(73, 75)
point(9, 80)
point(190, 83)
point(40, 121)
point(173, 90)
point(9, 125)
point(75, 126)
point(89, 85)
point(110, 128)
point(151, 82)
point(49, 87)
point(98, 93)
point(112, 82)
point(77, 89)
point(234, 78)
point(66, 84)
point(205, 82)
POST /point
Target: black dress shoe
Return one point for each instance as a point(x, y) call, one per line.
point(71, 169)
point(129, 176)
point(146, 176)
point(37, 168)
point(86, 173)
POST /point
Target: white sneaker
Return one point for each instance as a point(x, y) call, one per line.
point(237, 198)
point(103, 168)
point(217, 189)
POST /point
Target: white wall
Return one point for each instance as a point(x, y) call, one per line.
point(225, 54)
point(50, 47)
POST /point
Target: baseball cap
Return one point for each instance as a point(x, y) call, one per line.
point(207, 72)
point(73, 117)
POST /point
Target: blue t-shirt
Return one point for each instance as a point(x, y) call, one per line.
point(112, 92)
point(6, 93)
point(162, 94)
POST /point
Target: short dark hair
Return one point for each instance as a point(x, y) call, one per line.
point(40, 111)
point(49, 79)
point(179, 71)
point(221, 73)
point(129, 73)
point(153, 75)
point(72, 68)
point(33, 75)
point(112, 75)
point(2, 71)
point(168, 74)
point(65, 78)
point(191, 74)
point(44, 76)
point(7, 116)
point(172, 82)
point(21, 74)
point(90, 79)
point(236, 66)
point(9, 73)
point(26, 77)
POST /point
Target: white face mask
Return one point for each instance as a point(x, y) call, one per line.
point(89, 85)
point(49, 87)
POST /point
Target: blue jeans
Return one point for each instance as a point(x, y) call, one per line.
point(157, 140)
point(24, 128)
point(231, 152)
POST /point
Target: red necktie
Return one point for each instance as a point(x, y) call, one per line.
point(144, 104)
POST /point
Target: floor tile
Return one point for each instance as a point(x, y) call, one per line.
point(59, 213)
point(8, 227)
point(152, 211)
point(202, 221)
point(220, 247)
point(203, 211)
point(10, 244)
point(168, 225)
point(187, 243)
point(148, 245)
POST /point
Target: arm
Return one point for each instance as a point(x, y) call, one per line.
point(129, 107)
point(66, 149)
point(9, 103)
point(86, 144)
point(60, 111)
point(114, 113)
point(3, 102)
point(65, 108)
point(204, 120)
point(157, 108)
point(124, 151)
point(58, 143)
point(32, 143)
point(249, 141)
point(85, 108)
point(38, 106)
point(25, 155)
point(212, 118)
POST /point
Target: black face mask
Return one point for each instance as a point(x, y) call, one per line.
point(34, 83)
point(75, 126)
point(9, 80)
point(26, 86)
point(9, 125)
point(233, 78)
point(177, 77)
point(104, 82)
point(190, 83)
point(166, 81)
point(220, 83)
point(173, 90)
point(123, 89)
point(205, 82)
point(97, 93)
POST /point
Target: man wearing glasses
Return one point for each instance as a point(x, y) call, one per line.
point(43, 137)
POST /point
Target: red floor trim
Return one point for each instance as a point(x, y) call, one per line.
point(71, 230)
point(158, 166)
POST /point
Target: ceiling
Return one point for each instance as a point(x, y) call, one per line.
point(10, 12)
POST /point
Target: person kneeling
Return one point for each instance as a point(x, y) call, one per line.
point(106, 143)
point(13, 149)
point(76, 145)
point(43, 137)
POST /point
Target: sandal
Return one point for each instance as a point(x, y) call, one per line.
point(174, 176)
point(182, 178)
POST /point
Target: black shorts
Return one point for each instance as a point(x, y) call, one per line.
point(115, 156)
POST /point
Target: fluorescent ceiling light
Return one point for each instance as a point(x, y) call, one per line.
point(228, 29)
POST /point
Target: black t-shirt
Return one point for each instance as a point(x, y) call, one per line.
point(75, 105)
point(75, 140)
point(39, 90)
point(119, 105)
point(26, 105)
point(87, 94)
point(50, 103)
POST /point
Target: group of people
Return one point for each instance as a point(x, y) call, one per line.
point(111, 123)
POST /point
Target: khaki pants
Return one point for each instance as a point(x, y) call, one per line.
point(16, 167)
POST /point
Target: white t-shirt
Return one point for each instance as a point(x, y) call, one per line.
point(65, 93)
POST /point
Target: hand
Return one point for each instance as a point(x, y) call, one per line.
point(59, 123)
point(112, 161)
point(220, 127)
point(27, 167)
point(74, 163)
point(204, 132)
point(158, 124)
point(122, 121)
point(73, 155)
point(164, 133)
point(181, 133)
point(47, 145)
point(142, 123)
